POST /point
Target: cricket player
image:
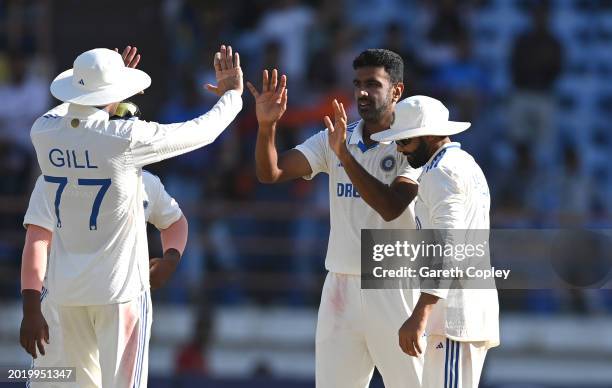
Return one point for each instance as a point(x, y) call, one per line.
point(92, 167)
point(160, 209)
point(461, 324)
point(356, 329)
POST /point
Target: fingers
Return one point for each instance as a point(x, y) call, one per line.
point(282, 85)
point(236, 60)
point(129, 57)
point(46, 334)
point(223, 57)
point(329, 124)
point(264, 81)
point(284, 98)
point(217, 61)
point(417, 346)
point(31, 347)
point(40, 345)
point(274, 82)
point(212, 88)
point(252, 89)
point(402, 344)
point(229, 56)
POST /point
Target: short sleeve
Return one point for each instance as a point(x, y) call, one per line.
point(441, 193)
point(316, 151)
point(39, 210)
point(164, 210)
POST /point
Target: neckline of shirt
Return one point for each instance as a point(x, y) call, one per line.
point(86, 112)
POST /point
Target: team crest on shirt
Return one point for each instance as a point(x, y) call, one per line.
point(387, 163)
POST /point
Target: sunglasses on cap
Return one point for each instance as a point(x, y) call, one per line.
point(403, 142)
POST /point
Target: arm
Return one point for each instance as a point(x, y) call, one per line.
point(443, 197)
point(271, 104)
point(389, 201)
point(174, 240)
point(34, 328)
point(153, 142)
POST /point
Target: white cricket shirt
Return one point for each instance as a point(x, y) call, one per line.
point(160, 209)
point(92, 171)
point(454, 194)
point(348, 211)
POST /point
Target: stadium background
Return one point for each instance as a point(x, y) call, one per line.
point(241, 311)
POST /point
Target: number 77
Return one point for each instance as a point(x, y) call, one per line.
point(63, 181)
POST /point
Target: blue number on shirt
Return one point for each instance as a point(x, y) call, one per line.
point(62, 181)
point(104, 185)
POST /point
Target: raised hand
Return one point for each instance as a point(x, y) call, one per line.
point(227, 72)
point(130, 56)
point(271, 103)
point(337, 129)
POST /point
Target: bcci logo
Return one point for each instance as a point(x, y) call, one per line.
point(387, 163)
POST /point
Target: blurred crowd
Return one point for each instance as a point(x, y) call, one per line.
point(531, 76)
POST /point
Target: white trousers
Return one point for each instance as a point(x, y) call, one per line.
point(54, 354)
point(357, 330)
point(453, 364)
point(108, 344)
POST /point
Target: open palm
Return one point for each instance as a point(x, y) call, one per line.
point(271, 102)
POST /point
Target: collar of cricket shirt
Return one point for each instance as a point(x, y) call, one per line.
point(355, 136)
point(86, 112)
point(437, 156)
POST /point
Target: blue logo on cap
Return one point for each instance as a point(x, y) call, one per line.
point(81, 82)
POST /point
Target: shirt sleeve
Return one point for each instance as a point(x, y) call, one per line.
point(152, 142)
point(406, 170)
point(164, 211)
point(39, 211)
point(316, 151)
point(443, 196)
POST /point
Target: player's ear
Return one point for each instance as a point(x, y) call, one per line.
point(398, 90)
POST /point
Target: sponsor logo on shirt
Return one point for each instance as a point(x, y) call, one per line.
point(347, 190)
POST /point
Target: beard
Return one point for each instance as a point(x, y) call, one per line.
point(372, 112)
point(418, 157)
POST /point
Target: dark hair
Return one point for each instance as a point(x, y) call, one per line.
point(392, 62)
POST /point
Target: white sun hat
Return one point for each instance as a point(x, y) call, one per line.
point(420, 116)
point(99, 77)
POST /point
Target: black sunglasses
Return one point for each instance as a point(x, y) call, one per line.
point(403, 142)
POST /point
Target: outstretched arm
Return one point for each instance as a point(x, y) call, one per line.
point(271, 104)
point(389, 201)
point(153, 142)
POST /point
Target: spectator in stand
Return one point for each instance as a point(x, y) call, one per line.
point(24, 97)
point(536, 63)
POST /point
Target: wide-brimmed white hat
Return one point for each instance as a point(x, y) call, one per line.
point(420, 116)
point(99, 77)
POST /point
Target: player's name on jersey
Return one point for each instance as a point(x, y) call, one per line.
point(447, 273)
point(71, 158)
